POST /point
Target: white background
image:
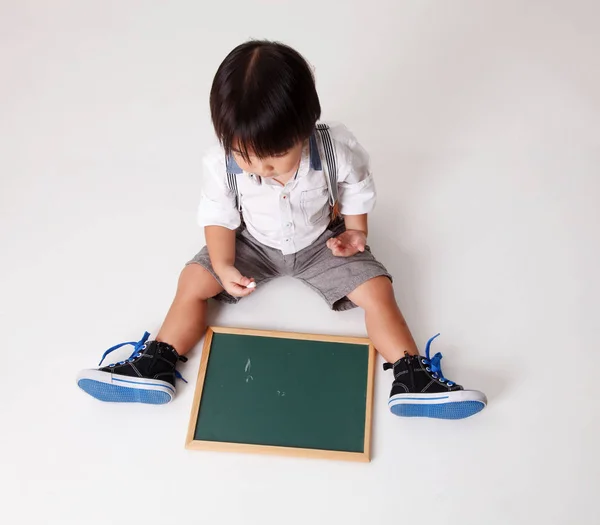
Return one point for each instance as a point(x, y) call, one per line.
point(482, 119)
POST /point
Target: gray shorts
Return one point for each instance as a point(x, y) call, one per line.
point(333, 278)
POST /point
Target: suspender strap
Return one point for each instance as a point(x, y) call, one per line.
point(330, 164)
point(233, 188)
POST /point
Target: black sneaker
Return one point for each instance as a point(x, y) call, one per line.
point(421, 390)
point(148, 376)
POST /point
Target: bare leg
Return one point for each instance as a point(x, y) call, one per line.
point(386, 326)
point(185, 323)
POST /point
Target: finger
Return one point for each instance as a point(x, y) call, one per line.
point(333, 244)
point(244, 281)
point(239, 291)
point(360, 246)
point(243, 292)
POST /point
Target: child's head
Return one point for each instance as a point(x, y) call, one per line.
point(264, 105)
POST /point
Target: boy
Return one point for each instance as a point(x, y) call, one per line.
point(282, 196)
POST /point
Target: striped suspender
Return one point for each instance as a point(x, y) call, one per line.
point(329, 167)
point(330, 163)
point(233, 187)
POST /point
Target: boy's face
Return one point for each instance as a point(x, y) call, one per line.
point(281, 166)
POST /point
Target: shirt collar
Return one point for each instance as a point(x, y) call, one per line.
point(232, 166)
point(313, 151)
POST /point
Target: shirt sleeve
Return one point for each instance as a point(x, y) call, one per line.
point(356, 187)
point(217, 203)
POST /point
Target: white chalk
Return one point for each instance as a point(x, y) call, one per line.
point(251, 285)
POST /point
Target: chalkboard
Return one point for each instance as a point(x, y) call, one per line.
point(283, 393)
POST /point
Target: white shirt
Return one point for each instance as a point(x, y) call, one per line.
point(291, 217)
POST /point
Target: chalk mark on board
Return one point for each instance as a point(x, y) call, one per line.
point(247, 369)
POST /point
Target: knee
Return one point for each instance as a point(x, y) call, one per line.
point(374, 293)
point(195, 282)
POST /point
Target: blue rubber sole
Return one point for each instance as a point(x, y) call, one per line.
point(457, 410)
point(122, 394)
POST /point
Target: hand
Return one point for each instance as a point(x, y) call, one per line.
point(348, 243)
point(234, 282)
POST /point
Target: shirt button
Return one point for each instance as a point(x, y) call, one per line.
point(287, 240)
point(288, 224)
point(284, 196)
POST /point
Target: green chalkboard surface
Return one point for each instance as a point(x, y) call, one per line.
point(277, 392)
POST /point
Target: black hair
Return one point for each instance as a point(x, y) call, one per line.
point(263, 99)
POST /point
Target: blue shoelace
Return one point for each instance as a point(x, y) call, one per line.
point(137, 352)
point(434, 363)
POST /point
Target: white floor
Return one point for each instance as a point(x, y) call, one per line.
point(482, 119)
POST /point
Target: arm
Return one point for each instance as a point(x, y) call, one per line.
point(357, 223)
point(220, 242)
point(356, 195)
point(219, 216)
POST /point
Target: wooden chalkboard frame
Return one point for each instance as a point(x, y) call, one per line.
point(194, 444)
